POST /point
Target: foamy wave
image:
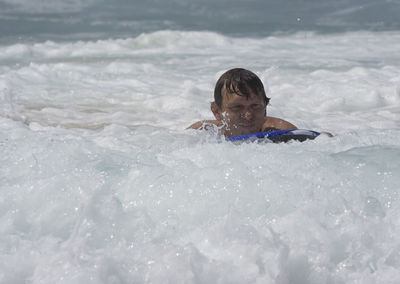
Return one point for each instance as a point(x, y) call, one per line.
point(140, 80)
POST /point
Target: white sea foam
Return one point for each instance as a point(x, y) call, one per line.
point(100, 183)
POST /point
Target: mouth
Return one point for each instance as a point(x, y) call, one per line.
point(246, 125)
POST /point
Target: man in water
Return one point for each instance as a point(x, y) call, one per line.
point(240, 106)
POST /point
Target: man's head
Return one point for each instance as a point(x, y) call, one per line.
point(240, 102)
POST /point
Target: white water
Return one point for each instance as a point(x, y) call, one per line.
point(100, 183)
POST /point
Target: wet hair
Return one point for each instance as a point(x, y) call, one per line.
point(241, 82)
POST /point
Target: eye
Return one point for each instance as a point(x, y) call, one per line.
point(257, 107)
point(236, 108)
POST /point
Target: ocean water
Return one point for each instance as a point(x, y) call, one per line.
point(100, 182)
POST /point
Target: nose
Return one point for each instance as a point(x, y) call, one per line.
point(247, 114)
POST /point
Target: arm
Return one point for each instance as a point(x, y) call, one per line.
point(277, 123)
point(274, 123)
point(203, 124)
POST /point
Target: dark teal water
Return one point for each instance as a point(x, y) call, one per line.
point(96, 19)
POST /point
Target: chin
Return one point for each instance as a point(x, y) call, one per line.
point(242, 130)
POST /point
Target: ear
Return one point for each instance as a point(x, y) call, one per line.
point(216, 111)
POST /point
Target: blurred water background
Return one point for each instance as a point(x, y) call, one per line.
point(101, 183)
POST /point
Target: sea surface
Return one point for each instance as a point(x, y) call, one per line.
point(100, 182)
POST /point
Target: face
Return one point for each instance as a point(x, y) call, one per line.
point(241, 115)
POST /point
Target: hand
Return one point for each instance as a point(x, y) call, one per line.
point(327, 133)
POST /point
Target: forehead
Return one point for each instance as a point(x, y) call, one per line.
point(238, 99)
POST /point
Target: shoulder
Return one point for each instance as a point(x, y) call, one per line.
point(277, 123)
point(203, 124)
